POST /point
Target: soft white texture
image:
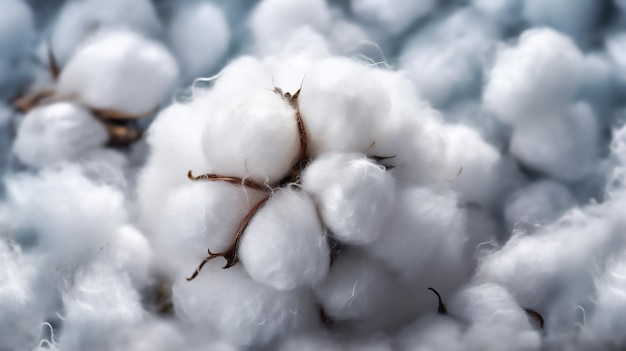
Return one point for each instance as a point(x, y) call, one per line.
point(119, 70)
point(354, 195)
point(199, 36)
point(252, 136)
point(79, 20)
point(539, 75)
point(284, 244)
point(225, 304)
point(342, 104)
point(56, 133)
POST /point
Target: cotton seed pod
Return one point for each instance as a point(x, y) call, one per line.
point(284, 244)
point(353, 193)
point(342, 103)
point(120, 71)
point(56, 133)
point(254, 136)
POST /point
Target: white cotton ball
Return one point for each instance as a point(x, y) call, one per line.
point(273, 22)
point(429, 333)
point(424, 238)
point(392, 17)
point(243, 76)
point(252, 136)
point(284, 244)
point(575, 18)
point(539, 75)
point(199, 36)
point(20, 314)
point(101, 304)
point(196, 217)
point(56, 133)
point(132, 253)
point(231, 306)
point(108, 166)
point(78, 20)
point(537, 204)
point(354, 195)
point(564, 145)
point(121, 71)
point(357, 289)
point(342, 104)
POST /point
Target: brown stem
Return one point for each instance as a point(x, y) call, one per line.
point(231, 254)
point(441, 308)
point(532, 313)
point(232, 180)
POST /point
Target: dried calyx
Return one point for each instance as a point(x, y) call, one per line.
point(291, 178)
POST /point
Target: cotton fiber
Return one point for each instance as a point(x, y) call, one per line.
point(353, 193)
point(284, 244)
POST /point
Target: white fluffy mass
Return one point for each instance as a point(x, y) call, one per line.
point(312, 175)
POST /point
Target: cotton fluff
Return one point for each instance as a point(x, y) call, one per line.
point(284, 244)
point(20, 316)
point(119, 70)
point(58, 132)
point(537, 204)
point(252, 136)
point(424, 238)
point(101, 303)
point(395, 17)
point(196, 217)
point(358, 289)
point(199, 36)
point(354, 195)
point(542, 73)
point(342, 104)
point(228, 305)
point(563, 145)
point(78, 20)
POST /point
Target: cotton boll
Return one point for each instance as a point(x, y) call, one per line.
point(55, 133)
point(20, 314)
point(341, 104)
point(424, 238)
point(284, 244)
point(78, 20)
point(273, 21)
point(240, 77)
point(358, 289)
point(252, 136)
point(121, 71)
point(354, 195)
point(132, 253)
point(101, 303)
point(199, 36)
point(539, 75)
point(196, 217)
point(394, 18)
point(231, 306)
point(563, 145)
point(537, 204)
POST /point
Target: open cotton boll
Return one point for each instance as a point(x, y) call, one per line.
point(119, 70)
point(20, 316)
point(284, 244)
point(354, 195)
point(233, 307)
point(102, 303)
point(564, 145)
point(252, 136)
point(537, 204)
point(56, 133)
point(357, 289)
point(485, 174)
point(575, 18)
point(342, 104)
point(393, 18)
point(273, 21)
point(78, 20)
point(539, 75)
point(196, 217)
point(199, 37)
point(424, 239)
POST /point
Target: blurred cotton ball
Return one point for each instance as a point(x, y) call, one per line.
point(393, 17)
